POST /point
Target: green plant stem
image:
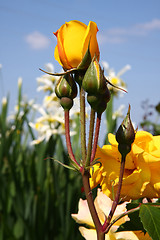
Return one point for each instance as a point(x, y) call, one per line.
point(116, 201)
point(109, 120)
point(90, 139)
point(98, 123)
point(88, 193)
point(68, 140)
point(83, 124)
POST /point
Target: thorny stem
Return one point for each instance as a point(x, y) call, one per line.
point(91, 130)
point(88, 193)
point(98, 123)
point(83, 124)
point(68, 140)
point(116, 201)
point(86, 162)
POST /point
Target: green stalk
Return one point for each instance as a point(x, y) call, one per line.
point(83, 124)
point(91, 130)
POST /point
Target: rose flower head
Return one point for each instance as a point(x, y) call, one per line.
point(73, 40)
point(142, 168)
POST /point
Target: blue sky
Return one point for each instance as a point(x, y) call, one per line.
point(129, 33)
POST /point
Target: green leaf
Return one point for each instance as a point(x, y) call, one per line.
point(12, 189)
point(150, 217)
point(64, 165)
point(18, 228)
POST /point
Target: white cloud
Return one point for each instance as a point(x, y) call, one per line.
point(37, 40)
point(120, 35)
point(150, 26)
point(106, 37)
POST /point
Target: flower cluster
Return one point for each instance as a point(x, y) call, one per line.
point(142, 168)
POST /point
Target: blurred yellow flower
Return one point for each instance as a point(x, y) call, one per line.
point(73, 39)
point(142, 168)
point(103, 205)
point(115, 78)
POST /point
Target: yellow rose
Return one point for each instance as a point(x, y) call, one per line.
point(142, 168)
point(73, 39)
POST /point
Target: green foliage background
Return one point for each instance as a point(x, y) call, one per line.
point(37, 195)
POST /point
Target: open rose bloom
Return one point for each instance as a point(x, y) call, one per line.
point(103, 205)
point(142, 168)
point(73, 39)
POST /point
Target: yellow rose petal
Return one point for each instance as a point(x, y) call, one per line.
point(56, 55)
point(91, 40)
point(112, 139)
point(74, 32)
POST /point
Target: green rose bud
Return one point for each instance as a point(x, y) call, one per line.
point(93, 100)
point(66, 103)
point(94, 81)
point(99, 102)
point(66, 87)
point(125, 135)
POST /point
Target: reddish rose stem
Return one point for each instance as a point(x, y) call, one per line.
point(90, 138)
point(68, 140)
point(98, 123)
point(116, 201)
point(88, 193)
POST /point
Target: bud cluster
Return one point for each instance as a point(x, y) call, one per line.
point(66, 90)
point(92, 81)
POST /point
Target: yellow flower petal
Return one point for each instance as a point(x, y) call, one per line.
point(83, 215)
point(74, 32)
point(56, 55)
point(61, 55)
point(128, 235)
point(112, 139)
point(90, 234)
point(142, 139)
point(155, 178)
point(156, 140)
point(91, 40)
